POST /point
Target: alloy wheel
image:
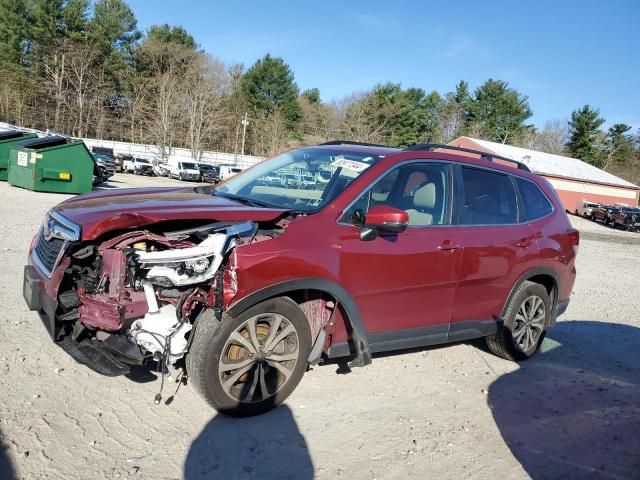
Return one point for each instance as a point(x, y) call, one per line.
point(529, 323)
point(258, 358)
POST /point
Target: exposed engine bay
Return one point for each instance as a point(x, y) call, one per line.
point(134, 297)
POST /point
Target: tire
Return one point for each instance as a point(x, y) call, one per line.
point(240, 392)
point(508, 345)
point(180, 177)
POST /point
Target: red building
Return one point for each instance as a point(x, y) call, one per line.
point(573, 179)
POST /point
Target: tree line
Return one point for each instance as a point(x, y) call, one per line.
point(85, 69)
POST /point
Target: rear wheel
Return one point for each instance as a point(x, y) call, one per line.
point(527, 315)
point(248, 365)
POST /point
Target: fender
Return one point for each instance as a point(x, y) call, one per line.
point(523, 278)
point(363, 352)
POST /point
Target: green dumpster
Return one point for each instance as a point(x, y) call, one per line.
point(7, 140)
point(52, 164)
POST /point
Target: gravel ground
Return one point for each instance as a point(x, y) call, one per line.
point(571, 412)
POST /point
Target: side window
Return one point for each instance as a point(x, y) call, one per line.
point(489, 198)
point(536, 204)
point(420, 189)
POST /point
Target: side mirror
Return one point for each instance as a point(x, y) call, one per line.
point(383, 218)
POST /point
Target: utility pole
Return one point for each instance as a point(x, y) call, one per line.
point(245, 122)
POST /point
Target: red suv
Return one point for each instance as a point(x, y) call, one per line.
point(242, 286)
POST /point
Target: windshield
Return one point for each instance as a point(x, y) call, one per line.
point(142, 160)
point(188, 166)
point(303, 180)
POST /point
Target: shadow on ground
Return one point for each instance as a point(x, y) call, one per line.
point(6, 468)
point(573, 410)
point(265, 446)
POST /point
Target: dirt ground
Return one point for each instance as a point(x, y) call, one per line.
point(571, 412)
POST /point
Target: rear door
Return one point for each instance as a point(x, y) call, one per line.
point(498, 247)
point(404, 283)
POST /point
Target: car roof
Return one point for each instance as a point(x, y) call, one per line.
point(440, 153)
point(374, 150)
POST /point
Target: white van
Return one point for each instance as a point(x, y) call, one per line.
point(584, 207)
point(184, 170)
point(228, 171)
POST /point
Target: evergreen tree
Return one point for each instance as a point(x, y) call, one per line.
point(312, 95)
point(113, 29)
point(172, 34)
point(74, 16)
point(269, 87)
point(13, 33)
point(584, 127)
point(499, 110)
point(621, 143)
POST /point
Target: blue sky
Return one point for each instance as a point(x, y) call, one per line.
point(561, 54)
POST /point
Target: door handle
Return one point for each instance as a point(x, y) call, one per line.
point(524, 242)
point(448, 245)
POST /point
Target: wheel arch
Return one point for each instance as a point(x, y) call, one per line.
point(291, 287)
point(543, 276)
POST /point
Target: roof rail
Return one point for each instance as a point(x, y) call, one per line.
point(483, 155)
point(349, 142)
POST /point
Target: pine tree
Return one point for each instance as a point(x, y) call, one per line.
point(584, 127)
point(620, 143)
point(499, 110)
point(269, 87)
point(13, 33)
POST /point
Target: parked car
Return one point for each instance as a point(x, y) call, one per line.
point(183, 170)
point(119, 159)
point(139, 166)
point(106, 164)
point(161, 170)
point(209, 174)
point(246, 286)
point(627, 218)
point(228, 171)
point(103, 151)
point(584, 208)
point(603, 213)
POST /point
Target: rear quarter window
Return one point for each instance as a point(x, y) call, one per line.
point(535, 203)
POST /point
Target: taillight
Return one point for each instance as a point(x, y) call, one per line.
point(574, 235)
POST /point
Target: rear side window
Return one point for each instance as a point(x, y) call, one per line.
point(536, 204)
point(489, 198)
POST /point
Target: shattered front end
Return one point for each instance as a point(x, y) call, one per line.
point(132, 298)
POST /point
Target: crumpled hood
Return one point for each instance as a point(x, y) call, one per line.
point(101, 212)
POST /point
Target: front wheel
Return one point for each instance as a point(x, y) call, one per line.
point(248, 365)
point(528, 315)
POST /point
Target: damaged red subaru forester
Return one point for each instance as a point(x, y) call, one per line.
point(339, 250)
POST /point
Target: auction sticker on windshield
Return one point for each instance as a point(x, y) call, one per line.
point(350, 164)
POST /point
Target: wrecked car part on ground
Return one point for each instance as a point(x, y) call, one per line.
point(134, 298)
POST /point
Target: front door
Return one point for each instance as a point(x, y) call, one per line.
point(404, 283)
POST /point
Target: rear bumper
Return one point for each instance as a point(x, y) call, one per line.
point(37, 300)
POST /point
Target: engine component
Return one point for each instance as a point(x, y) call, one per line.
point(161, 333)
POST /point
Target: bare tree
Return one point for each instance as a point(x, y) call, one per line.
point(551, 139)
point(206, 84)
point(364, 121)
point(55, 74)
point(164, 111)
point(82, 83)
point(167, 64)
point(451, 121)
